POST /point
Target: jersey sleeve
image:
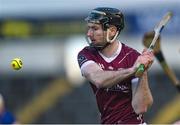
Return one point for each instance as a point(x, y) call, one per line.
point(83, 57)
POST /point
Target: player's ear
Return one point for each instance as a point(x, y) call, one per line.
point(112, 30)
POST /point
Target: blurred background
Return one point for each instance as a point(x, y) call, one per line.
point(48, 34)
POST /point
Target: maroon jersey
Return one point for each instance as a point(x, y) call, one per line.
point(114, 103)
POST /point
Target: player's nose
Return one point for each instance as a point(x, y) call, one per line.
point(89, 33)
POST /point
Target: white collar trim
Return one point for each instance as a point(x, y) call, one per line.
point(110, 59)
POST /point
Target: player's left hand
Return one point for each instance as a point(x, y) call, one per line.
point(148, 58)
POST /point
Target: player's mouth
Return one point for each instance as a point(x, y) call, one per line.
point(93, 40)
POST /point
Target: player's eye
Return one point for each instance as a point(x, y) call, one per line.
point(95, 28)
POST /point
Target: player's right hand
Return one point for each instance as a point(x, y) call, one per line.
point(146, 58)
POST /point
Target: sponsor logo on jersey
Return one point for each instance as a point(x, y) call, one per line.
point(118, 87)
point(81, 59)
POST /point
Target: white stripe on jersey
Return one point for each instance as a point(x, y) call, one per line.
point(83, 66)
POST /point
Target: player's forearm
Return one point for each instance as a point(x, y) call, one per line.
point(105, 79)
point(142, 98)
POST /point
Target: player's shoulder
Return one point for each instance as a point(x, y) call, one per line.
point(87, 53)
point(87, 50)
point(127, 49)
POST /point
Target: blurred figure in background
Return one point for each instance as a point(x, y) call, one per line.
point(6, 117)
point(110, 66)
point(177, 123)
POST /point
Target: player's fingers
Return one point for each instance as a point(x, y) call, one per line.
point(144, 50)
point(150, 64)
point(146, 60)
point(150, 60)
point(142, 60)
point(148, 55)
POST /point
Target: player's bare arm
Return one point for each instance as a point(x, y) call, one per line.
point(103, 78)
point(141, 98)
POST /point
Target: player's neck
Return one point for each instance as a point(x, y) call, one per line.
point(111, 49)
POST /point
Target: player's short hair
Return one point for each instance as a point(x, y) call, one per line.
point(107, 16)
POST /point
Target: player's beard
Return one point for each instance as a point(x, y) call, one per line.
point(100, 45)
